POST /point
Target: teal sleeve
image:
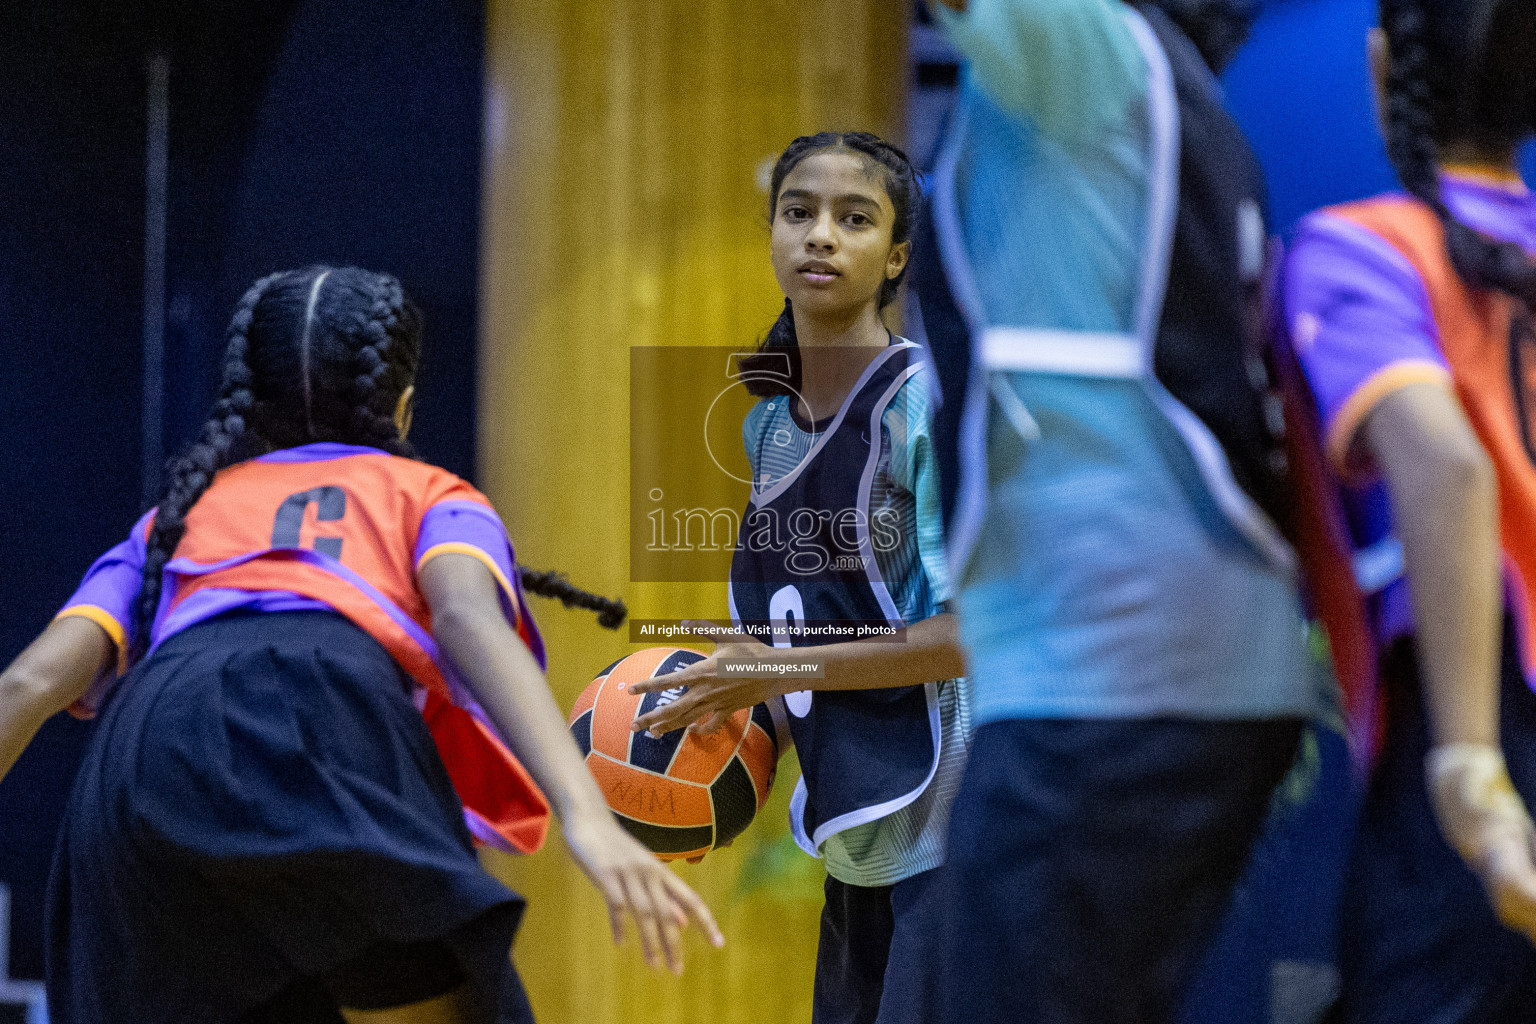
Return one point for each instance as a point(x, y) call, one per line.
point(751, 427)
point(909, 421)
point(1071, 66)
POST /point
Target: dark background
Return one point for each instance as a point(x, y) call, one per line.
point(300, 131)
point(345, 131)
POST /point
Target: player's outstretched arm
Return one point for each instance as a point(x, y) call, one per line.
point(926, 651)
point(1445, 504)
point(498, 667)
point(51, 674)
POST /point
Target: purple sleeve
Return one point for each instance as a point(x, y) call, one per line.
point(1362, 326)
point(112, 584)
point(106, 597)
point(468, 527)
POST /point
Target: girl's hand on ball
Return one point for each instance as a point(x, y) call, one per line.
point(711, 697)
point(633, 882)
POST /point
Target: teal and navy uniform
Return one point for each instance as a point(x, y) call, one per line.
point(879, 768)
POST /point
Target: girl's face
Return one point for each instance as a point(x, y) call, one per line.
point(832, 225)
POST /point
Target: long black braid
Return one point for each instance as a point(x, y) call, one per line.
point(189, 474)
point(764, 372)
point(320, 354)
point(1462, 71)
point(610, 612)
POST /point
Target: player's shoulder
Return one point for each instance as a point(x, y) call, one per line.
point(1392, 203)
point(432, 484)
point(1402, 221)
point(362, 471)
point(912, 405)
point(762, 416)
point(1370, 247)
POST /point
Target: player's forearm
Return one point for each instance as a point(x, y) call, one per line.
point(926, 652)
point(509, 684)
point(47, 677)
point(1445, 505)
point(1450, 547)
point(22, 712)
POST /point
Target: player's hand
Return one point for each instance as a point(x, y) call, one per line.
point(711, 697)
point(634, 883)
point(1485, 821)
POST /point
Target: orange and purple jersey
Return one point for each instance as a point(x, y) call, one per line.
point(341, 528)
point(1374, 305)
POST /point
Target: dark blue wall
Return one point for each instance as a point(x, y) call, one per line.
point(1301, 90)
point(344, 132)
point(71, 256)
point(300, 131)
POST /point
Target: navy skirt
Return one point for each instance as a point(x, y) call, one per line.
point(262, 829)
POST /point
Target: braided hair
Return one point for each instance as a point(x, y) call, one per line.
point(610, 612)
point(320, 354)
point(763, 373)
point(1462, 72)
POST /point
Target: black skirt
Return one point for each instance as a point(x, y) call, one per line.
point(260, 806)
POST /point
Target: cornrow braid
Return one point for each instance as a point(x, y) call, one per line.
point(224, 432)
point(372, 417)
point(1415, 114)
point(766, 377)
point(610, 611)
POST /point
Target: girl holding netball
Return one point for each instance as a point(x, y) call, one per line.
point(327, 640)
point(1412, 317)
point(842, 536)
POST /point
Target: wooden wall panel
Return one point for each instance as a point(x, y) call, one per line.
point(624, 145)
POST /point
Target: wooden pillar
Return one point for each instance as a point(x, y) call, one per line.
point(625, 144)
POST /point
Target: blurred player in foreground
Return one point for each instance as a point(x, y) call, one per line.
point(1116, 503)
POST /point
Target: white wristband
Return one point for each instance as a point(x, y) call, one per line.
point(1474, 760)
point(1470, 790)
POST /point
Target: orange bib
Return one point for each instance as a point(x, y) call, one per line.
point(343, 531)
point(1475, 339)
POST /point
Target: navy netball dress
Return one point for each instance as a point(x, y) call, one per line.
point(805, 574)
